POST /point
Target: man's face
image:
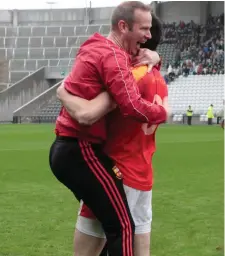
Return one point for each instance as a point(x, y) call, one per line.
point(140, 32)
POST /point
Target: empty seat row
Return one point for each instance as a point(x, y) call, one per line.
point(32, 42)
point(38, 53)
point(199, 96)
point(53, 30)
point(32, 65)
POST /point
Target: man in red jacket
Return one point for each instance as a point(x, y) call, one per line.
point(77, 157)
point(131, 145)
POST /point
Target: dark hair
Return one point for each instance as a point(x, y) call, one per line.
point(156, 31)
point(125, 11)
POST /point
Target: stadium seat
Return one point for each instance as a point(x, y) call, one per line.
point(35, 42)
point(17, 65)
point(80, 30)
point(93, 29)
point(2, 54)
point(24, 31)
point(10, 42)
point(11, 32)
point(22, 42)
point(64, 53)
point(20, 53)
point(64, 62)
point(53, 31)
point(2, 31)
point(51, 53)
point(36, 53)
point(48, 41)
point(2, 42)
point(67, 31)
point(38, 31)
point(42, 63)
point(60, 41)
point(53, 63)
point(72, 41)
point(73, 52)
point(30, 65)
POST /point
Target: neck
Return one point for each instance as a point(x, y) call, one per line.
point(115, 39)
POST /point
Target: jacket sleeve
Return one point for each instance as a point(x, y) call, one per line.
point(121, 84)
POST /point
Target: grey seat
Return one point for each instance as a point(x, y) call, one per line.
point(93, 29)
point(38, 31)
point(24, 31)
point(36, 53)
point(64, 53)
point(2, 43)
point(53, 63)
point(30, 65)
point(51, 53)
point(64, 62)
point(81, 30)
point(10, 42)
point(9, 53)
point(67, 31)
point(17, 65)
point(53, 31)
point(42, 63)
point(72, 41)
point(35, 42)
point(20, 53)
point(22, 42)
point(73, 52)
point(11, 32)
point(60, 41)
point(82, 39)
point(71, 62)
point(2, 31)
point(48, 41)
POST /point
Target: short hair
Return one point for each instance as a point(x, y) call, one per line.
point(125, 11)
point(156, 31)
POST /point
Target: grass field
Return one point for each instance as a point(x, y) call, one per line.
point(37, 214)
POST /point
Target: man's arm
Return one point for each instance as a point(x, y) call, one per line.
point(85, 111)
point(121, 85)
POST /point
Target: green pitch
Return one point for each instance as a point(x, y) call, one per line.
point(37, 214)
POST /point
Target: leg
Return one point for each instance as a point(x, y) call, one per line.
point(104, 252)
point(142, 244)
point(188, 119)
point(140, 206)
point(140, 203)
point(86, 245)
point(89, 174)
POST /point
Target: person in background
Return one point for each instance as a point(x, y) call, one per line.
point(210, 114)
point(189, 115)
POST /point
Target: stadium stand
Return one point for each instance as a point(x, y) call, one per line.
point(39, 53)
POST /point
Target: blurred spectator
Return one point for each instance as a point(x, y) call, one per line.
point(199, 49)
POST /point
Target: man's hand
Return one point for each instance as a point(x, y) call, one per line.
point(146, 57)
point(164, 103)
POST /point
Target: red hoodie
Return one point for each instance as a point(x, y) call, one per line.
point(101, 65)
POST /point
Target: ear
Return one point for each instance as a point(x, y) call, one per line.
point(122, 26)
